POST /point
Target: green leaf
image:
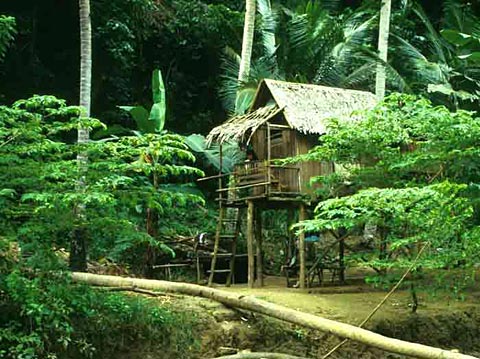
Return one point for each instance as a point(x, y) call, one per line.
point(445, 89)
point(159, 108)
point(473, 56)
point(196, 142)
point(158, 87)
point(138, 113)
point(244, 100)
point(157, 117)
point(455, 37)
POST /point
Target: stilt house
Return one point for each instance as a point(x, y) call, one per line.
point(285, 120)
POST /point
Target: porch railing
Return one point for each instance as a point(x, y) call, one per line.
point(259, 179)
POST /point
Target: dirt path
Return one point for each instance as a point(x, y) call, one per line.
point(351, 303)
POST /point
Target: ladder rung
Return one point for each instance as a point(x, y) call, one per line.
point(233, 220)
point(228, 236)
point(219, 271)
point(223, 255)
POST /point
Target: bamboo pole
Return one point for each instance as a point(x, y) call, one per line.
point(250, 239)
point(221, 214)
point(269, 158)
point(259, 239)
point(246, 302)
point(259, 355)
point(301, 248)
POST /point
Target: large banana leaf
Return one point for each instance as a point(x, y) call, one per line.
point(231, 153)
point(140, 115)
point(159, 108)
point(153, 121)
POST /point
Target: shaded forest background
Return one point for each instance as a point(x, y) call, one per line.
point(185, 40)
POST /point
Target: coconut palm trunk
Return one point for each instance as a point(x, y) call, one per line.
point(247, 42)
point(78, 252)
point(383, 33)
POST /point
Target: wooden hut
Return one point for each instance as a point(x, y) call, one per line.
point(285, 120)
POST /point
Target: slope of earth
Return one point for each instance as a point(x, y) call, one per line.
point(220, 330)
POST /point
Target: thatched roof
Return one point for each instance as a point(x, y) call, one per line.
point(236, 127)
point(305, 108)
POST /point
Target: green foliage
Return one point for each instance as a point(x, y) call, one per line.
point(410, 169)
point(125, 176)
point(443, 63)
point(309, 43)
point(42, 314)
point(231, 153)
point(7, 32)
point(155, 120)
point(45, 315)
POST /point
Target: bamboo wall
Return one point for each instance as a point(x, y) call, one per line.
point(288, 143)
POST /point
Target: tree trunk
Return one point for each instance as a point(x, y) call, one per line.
point(85, 63)
point(78, 253)
point(259, 355)
point(250, 303)
point(383, 33)
point(247, 42)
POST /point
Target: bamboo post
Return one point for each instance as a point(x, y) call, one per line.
point(197, 266)
point(259, 239)
point(250, 235)
point(269, 158)
point(221, 213)
point(301, 248)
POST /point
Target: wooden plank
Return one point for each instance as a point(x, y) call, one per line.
point(172, 265)
point(251, 177)
point(250, 236)
point(243, 187)
point(301, 248)
point(283, 127)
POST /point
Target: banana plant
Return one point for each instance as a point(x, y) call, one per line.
point(231, 153)
point(153, 121)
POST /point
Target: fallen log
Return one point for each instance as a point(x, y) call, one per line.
point(259, 355)
point(253, 304)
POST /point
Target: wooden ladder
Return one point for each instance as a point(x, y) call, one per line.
point(228, 229)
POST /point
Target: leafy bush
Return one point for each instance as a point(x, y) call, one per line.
point(409, 169)
point(44, 315)
point(132, 182)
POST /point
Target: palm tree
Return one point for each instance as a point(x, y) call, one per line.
point(383, 32)
point(78, 252)
point(307, 44)
point(443, 64)
point(247, 42)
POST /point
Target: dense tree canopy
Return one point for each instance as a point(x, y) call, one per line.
point(408, 168)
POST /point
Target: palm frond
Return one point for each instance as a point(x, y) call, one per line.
point(439, 46)
point(268, 27)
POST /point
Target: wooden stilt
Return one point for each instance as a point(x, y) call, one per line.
point(197, 260)
point(250, 239)
point(259, 239)
point(301, 248)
